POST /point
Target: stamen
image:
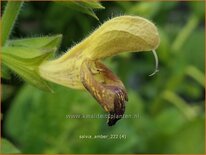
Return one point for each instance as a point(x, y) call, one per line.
point(156, 63)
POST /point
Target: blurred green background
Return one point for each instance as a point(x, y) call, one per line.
point(170, 104)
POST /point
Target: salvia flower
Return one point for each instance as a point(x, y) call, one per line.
point(81, 66)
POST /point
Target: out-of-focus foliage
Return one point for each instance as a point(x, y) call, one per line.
point(170, 105)
point(7, 147)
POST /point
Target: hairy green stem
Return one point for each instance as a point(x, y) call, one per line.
point(9, 17)
point(185, 33)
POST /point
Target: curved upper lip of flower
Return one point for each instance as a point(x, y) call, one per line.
point(80, 67)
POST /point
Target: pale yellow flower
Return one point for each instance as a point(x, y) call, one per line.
point(81, 67)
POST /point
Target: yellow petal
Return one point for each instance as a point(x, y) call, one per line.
point(120, 34)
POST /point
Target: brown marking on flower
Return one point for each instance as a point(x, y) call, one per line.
point(110, 93)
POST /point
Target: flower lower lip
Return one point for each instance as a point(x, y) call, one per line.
point(119, 106)
point(107, 89)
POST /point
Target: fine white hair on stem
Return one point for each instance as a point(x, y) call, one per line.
point(156, 63)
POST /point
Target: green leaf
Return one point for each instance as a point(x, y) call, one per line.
point(84, 7)
point(91, 4)
point(25, 61)
point(7, 147)
point(46, 42)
